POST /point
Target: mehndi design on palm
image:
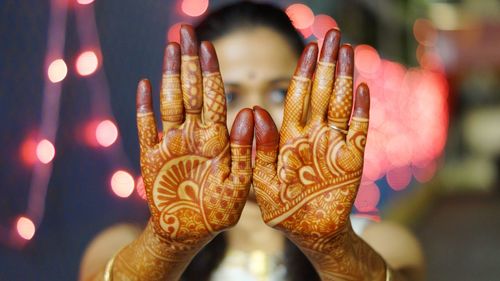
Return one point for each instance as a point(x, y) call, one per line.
point(306, 179)
point(196, 177)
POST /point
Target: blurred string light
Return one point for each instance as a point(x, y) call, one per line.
point(87, 63)
point(57, 71)
point(38, 150)
point(194, 8)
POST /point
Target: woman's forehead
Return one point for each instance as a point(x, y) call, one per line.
point(258, 53)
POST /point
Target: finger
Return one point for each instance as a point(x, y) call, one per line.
point(340, 106)
point(214, 98)
point(297, 97)
point(190, 73)
point(324, 76)
point(358, 129)
point(267, 140)
point(241, 148)
point(146, 124)
point(170, 95)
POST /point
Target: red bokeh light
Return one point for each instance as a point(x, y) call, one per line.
point(399, 178)
point(368, 197)
point(27, 151)
point(122, 184)
point(301, 15)
point(194, 8)
point(367, 60)
point(106, 133)
point(140, 188)
point(57, 71)
point(173, 34)
point(306, 32)
point(45, 151)
point(321, 25)
point(87, 63)
point(25, 228)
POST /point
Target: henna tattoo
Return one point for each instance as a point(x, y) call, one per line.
point(306, 186)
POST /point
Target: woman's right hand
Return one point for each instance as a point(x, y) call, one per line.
point(196, 176)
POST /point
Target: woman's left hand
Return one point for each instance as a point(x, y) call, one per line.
point(306, 178)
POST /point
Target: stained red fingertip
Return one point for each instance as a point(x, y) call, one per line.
point(189, 44)
point(172, 60)
point(346, 61)
point(331, 44)
point(144, 101)
point(307, 61)
point(209, 61)
point(243, 127)
point(266, 133)
point(362, 103)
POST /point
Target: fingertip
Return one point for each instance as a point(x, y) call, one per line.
point(346, 60)
point(331, 44)
point(362, 105)
point(209, 61)
point(172, 61)
point(189, 44)
point(266, 133)
point(307, 61)
point(243, 127)
point(143, 98)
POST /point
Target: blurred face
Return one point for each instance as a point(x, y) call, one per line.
point(256, 66)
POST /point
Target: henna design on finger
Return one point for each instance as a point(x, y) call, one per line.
point(214, 103)
point(341, 103)
point(191, 84)
point(171, 107)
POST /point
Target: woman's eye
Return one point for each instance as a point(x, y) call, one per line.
point(277, 96)
point(230, 97)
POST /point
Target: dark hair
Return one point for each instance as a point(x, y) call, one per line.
point(216, 24)
point(248, 15)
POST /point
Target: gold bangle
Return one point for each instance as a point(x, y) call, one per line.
point(108, 271)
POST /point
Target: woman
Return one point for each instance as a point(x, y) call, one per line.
point(305, 177)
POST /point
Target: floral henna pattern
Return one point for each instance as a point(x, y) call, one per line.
point(307, 176)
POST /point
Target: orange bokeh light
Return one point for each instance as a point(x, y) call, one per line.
point(194, 8)
point(122, 184)
point(57, 71)
point(424, 31)
point(301, 15)
point(321, 25)
point(87, 63)
point(45, 151)
point(367, 60)
point(368, 197)
point(25, 228)
point(106, 133)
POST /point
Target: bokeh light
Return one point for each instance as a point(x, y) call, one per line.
point(106, 133)
point(87, 63)
point(45, 151)
point(367, 60)
point(173, 34)
point(122, 183)
point(27, 151)
point(368, 197)
point(140, 188)
point(194, 8)
point(322, 23)
point(399, 178)
point(424, 31)
point(84, 2)
point(301, 15)
point(57, 71)
point(25, 228)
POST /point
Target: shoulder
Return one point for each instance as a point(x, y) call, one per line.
point(104, 246)
point(397, 245)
